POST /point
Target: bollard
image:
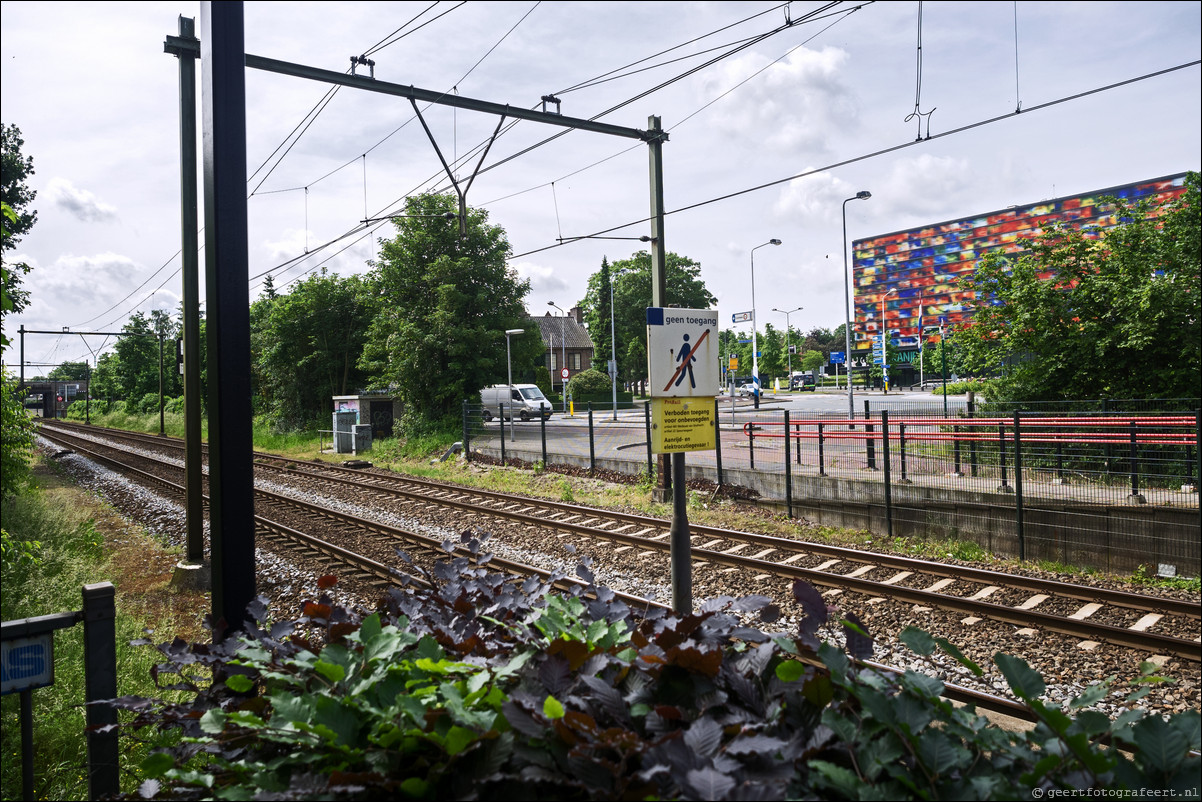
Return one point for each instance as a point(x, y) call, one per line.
point(751, 443)
point(501, 418)
point(788, 471)
point(871, 444)
point(467, 442)
point(542, 430)
point(821, 464)
point(592, 450)
point(647, 424)
point(1018, 490)
point(1001, 449)
point(972, 443)
point(888, 487)
point(956, 450)
point(1136, 497)
point(717, 443)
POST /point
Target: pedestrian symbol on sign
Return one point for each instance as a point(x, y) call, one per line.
point(687, 356)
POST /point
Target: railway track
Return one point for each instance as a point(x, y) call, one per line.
point(1157, 625)
point(290, 523)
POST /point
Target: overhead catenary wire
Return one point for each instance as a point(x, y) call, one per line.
point(880, 152)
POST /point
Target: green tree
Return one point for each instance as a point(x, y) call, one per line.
point(632, 295)
point(1087, 314)
point(70, 371)
point(15, 168)
point(445, 302)
point(106, 382)
point(16, 430)
point(812, 360)
point(18, 218)
point(137, 353)
point(773, 362)
point(307, 344)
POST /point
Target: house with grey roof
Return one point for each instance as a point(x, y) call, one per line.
point(567, 344)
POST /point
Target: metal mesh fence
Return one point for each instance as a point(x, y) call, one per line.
point(1110, 488)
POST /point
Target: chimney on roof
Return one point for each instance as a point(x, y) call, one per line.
point(577, 314)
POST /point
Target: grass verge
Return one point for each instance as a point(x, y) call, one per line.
point(84, 541)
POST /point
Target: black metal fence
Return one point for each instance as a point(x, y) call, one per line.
point(1067, 484)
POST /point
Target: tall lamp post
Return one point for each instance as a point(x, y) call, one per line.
point(755, 348)
point(509, 369)
point(885, 344)
point(613, 343)
point(851, 408)
point(788, 331)
point(563, 353)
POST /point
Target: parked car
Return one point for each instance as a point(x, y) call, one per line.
point(525, 401)
point(745, 390)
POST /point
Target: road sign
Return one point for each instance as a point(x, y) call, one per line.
point(837, 358)
point(565, 373)
point(740, 317)
point(733, 364)
point(682, 352)
point(28, 663)
point(682, 424)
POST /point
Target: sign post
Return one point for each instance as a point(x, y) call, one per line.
point(683, 368)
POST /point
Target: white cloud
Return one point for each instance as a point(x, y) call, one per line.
point(797, 103)
point(919, 188)
point(930, 185)
point(80, 203)
point(544, 279)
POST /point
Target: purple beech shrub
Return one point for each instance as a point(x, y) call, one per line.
point(478, 685)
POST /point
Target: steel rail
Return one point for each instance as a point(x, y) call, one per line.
point(978, 699)
point(1020, 617)
point(432, 545)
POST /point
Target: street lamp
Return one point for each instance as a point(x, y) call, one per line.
point(885, 344)
point(755, 349)
point(563, 353)
point(613, 343)
point(509, 369)
point(851, 409)
point(788, 331)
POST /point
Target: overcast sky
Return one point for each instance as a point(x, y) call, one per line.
point(766, 142)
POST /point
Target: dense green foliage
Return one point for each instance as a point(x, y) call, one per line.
point(306, 345)
point(1083, 314)
point(137, 357)
point(483, 686)
point(631, 280)
point(15, 168)
point(16, 430)
point(63, 550)
point(445, 303)
point(590, 382)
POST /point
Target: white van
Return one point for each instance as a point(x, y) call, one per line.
point(524, 400)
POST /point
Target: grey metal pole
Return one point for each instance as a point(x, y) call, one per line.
point(851, 410)
point(755, 348)
point(190, 255)
point(681, 548)
point(231, 469)
point(613, 347)
point(162, 428)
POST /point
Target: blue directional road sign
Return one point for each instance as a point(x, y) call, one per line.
point(837, 358)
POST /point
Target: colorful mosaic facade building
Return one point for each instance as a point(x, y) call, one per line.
point(917, 272)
